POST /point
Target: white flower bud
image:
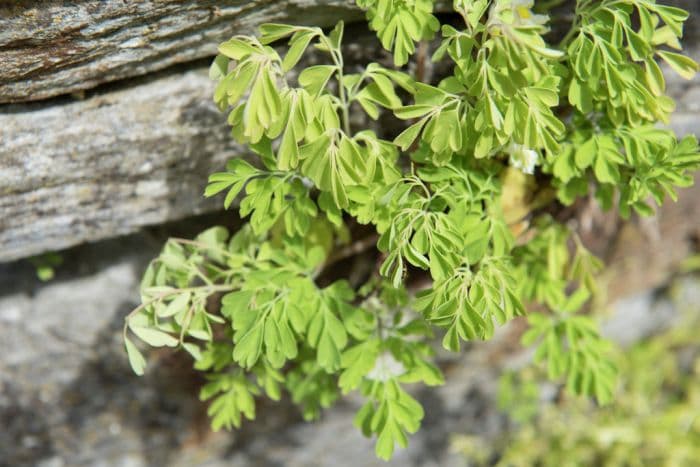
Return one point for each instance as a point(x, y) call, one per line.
point(385, 368)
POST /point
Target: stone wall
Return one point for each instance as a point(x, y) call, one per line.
point(67, 395)
point(106, 118)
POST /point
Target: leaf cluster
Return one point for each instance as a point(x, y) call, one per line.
point(459, 200)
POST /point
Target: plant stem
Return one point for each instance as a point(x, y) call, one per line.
point(575, 28)
point(343, 97)
point(337, 56)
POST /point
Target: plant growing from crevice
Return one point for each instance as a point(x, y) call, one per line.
point(460, 205)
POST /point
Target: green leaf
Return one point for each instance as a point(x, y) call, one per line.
point(333, 165)
point(249, 345)
point(136, 360)
point(177, 305)
point(326, 332)
point(684, 66)
point(571, 346)
point(237, 49)
point(392, 414)
point(586, 154)
point(154, 337)
point(272, 32)
point(232, 399)
point(468, 304)
point(399, 24)
point(298, 44)
point(356, 362)
point(193, 350)
point(315, 78)
point(219, 68)
point(407, 137)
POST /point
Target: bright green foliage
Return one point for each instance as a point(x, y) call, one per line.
point(655, 421)
point(46, 265)
point(617, 89)
point(469, 305)
point(465, 200)
point(312, 388)
point(568, 344)
point(400, 23)
point(232, 396)
point(572, 346)
point(391, 413)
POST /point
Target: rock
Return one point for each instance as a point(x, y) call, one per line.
point(132, 155)
point(104, 166)
point(59, 48)
point(138, 152)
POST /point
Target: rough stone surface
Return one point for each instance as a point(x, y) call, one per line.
point(139, 152)
point(77, 170)
point(107, 165)
point(57, 47)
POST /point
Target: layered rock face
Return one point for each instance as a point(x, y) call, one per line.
point(106, 117)
point(107, 126)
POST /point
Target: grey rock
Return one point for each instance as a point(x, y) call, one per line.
point(58, 47)
point(105, 166)
point(132, 155)
point(139, 152)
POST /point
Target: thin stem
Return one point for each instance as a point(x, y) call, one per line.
point(202, 276)
point(337, 56)
point(343, 98)
point(575, 28)
point(186, 323)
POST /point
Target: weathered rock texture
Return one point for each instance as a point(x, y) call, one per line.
point(104, 166)
point(137, 152)
point(133, 154)
point(54, 47)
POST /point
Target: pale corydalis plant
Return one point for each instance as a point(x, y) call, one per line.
point(258, 311)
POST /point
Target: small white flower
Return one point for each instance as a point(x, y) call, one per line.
point(523, 158)
point(385, 368)
point(515, 13)
point(524, 16)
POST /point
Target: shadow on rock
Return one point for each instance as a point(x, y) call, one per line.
point(109, 413)
point(25, 435)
